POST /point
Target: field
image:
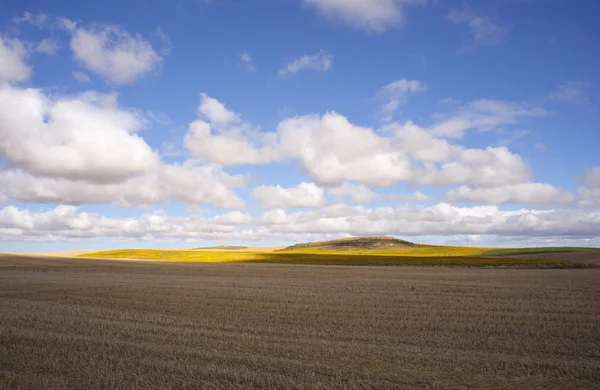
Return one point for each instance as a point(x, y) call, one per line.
point(422, 255)
point(526, 251)
point(90, 323)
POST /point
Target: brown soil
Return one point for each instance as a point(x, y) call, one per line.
point(588, 258)
point(91, 324)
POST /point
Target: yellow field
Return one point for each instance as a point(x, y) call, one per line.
point(411, 251)
point(422, 255)
point(324, 258)
point(238, 256)
point(177, 255)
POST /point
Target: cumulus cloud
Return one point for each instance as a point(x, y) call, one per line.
point(220, 136)
point(277, 197)
point(113, 53)
point(84, 149)
point(516, 193)
point(67, 223)
point(216, 112)
point(397, 93)
point(483, 30)
point(87, 137)
point(421, 144)
point(12, 60)
point(333, 150)
point(358, 193)
point(447, 164)
point(190, 182)
point(489, 167)
point(439, 219)
point(322, 61)
point(371, 15)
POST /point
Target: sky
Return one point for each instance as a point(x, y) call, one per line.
point(176, 124)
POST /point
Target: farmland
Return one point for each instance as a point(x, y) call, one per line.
point(326, 258)
point(94, 323)
point(527, 251)
point(423, 255)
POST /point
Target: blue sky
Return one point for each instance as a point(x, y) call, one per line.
point(189, 123)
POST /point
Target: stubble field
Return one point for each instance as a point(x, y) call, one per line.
point(83, 323)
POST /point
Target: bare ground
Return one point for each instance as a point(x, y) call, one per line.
point(591, 258)
point(79, 323)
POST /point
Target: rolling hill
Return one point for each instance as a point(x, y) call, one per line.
point(353, 243)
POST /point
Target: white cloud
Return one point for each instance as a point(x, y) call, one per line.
point(12, 60)
point(36, 20)
point(591, 178)
point(358, 193)
point(276, 197)
point(322, 61)
point(216, 112)
point(246, 59)
point(233, 218)
point(48, 46)
point(370, 15)
point(489, 167)
point(439, 219)
point(220, 136)
point(483, 115)
point(190, 183)
point(113, 53)
point(333, 150)
point(571, 91)
point(483, 30)
point(87, 137)
point(82, 77)
point(66, 223)
point(421, 145)
point(397, 93)
point(420, 197)
point(515, 193)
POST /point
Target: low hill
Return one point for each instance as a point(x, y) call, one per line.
point(354, 243)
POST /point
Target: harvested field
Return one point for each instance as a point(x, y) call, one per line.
point(81, 323)
point(532, 251)
point(587, 258)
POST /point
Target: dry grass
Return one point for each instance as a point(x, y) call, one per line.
point(80, 323)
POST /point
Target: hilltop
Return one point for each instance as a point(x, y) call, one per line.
point(354, 243)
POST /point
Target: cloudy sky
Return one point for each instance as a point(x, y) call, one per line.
point(193, 122)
